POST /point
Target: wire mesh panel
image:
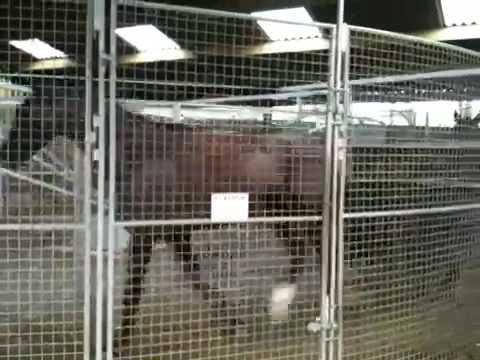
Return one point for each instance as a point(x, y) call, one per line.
point(41, 299)
point(202, 56)
point(222, 275)
point(411, 207)
point(416, 297)
point(200, 120)
point(43, 180)
point(375, 53)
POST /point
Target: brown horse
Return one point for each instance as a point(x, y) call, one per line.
point(168, 171)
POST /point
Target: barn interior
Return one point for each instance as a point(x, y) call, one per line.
point(192, 179)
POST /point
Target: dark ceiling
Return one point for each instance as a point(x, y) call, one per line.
point(396, 15)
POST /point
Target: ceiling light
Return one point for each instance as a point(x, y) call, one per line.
point(288, 46)
point(452, 33)
point(153, 56)
point(38, 49)
point(465, 12)
point(51, 64)
point(146, 38)
point(283, 31)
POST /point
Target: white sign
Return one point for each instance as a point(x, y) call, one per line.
point(229, 207)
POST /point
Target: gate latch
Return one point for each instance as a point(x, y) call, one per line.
point(317, 325)
point(326, 324)
point(94, 136)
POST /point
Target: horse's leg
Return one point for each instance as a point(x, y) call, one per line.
point(284, 294)
point(140, 256)
point(296, 248)
point(182, 238)
point(295, 237)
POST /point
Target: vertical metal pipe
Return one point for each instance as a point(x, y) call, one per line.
point(343, 157)
point(326, 199)
point(2, 199)
point(339, 42)
point(87, 210)
point(101, 187)
point(340, 251)
point(111, 179)
point(333, 240)
point(337, 93)
point(78, 251)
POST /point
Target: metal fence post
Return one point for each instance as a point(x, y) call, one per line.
point(87, 207)
point(333, 204)
point(111, 180)
point(100, 125)
point(326, 211)
point(343, 159)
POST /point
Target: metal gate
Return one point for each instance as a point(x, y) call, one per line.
point(219, 180)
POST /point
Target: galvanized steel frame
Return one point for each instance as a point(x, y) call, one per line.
point(87, 210)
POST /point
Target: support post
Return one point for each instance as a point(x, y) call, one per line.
point(111, 180)
point(99, 120)
point(326, 210)
point(333, 197)
point(87, 161)
point(343, 160)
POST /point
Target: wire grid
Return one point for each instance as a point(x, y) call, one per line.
point(241, 263)
point(42, 182)
point(375, 53)
point(221, 62)
point(203, 291)
point(49, 124)
point(168, 171)
point(41, 299)
point(212, 301)
point(412, 176)
point(411, 228)
point(414, 296)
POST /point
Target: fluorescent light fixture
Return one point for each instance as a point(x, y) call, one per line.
point(452, 33)
point(38, 49)
point(289, 46)
point(281, 31)
point(51, 64)
point(153, 56)
point(146, 38)
point(461, 12)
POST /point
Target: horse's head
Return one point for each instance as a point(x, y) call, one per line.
point(53, 110)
